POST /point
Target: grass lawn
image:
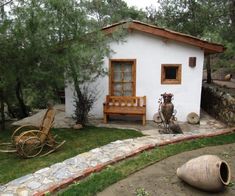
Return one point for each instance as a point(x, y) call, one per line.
point(99, 181)
point(77, 141)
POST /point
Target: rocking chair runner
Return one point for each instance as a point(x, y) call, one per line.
point(31, 143)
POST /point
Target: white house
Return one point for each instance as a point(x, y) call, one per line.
point(152, 61)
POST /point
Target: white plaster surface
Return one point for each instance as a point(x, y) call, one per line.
point(150, 52)
point(69, 100)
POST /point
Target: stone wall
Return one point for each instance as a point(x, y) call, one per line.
point(218, 103)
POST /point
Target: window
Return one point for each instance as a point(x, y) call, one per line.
point(122, 79)
point(171, 74)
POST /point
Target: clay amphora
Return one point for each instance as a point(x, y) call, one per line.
point(207, 172)
point(167, 106)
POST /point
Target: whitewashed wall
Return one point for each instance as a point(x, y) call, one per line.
point(150, 52)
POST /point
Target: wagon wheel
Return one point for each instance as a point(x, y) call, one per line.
point(157, 118)
point(30, 147)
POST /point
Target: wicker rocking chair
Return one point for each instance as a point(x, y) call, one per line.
point(32, 143)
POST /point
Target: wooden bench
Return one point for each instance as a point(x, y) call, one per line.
point(125, 105)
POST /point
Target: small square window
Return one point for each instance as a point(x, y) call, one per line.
point(171, 74)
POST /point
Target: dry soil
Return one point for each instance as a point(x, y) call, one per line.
point(160, 178)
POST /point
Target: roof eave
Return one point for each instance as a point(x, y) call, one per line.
point(208, 47)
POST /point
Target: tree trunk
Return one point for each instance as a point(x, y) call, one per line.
point(208, 69)
point(232, 12)
point(232, 17)
point(2, 122)
point(19, 95)
point(10, 109)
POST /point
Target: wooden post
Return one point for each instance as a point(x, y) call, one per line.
point(144, 116)
point(144, 119)
point(208, 69)
point(105, 119)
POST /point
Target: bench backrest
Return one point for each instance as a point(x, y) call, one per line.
point(125, 101)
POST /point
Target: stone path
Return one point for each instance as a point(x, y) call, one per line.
point(61, 174)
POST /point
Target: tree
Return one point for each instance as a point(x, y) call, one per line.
point(230, 23)
point(212, 20)
point(81, 53)
point(6, 74)
point(45, 43)
point(106, 12)
point(30, 55)
point(195, 17)
point(5, 2)
point(60, 41)
point(16, 55)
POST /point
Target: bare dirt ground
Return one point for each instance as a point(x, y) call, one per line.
point(226, 84)
point(160, 178)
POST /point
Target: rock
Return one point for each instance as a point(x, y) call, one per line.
point(117, 142)
point(42, 171)
point(33, 185)
point(93, 163)
point(96, 150)
point(82, 166)
point(2, 188)
point(71, 161)
point(220, 104)
point(104, 159)
point(22, 191)
point(228, 77)
point(224, 102)
point(77, 126)
point(21, 180)
point(47, 181)
point(63, 173)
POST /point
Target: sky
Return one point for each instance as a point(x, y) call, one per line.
point(141, 3)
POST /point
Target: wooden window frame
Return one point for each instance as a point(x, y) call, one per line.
point(171, 81)
point(111, 76)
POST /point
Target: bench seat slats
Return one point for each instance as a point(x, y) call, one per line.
point(125, 106)
point(125, 110)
